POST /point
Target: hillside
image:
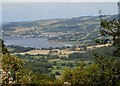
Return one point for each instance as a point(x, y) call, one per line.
point(87, 65)
point(55, 22)
point(79, 29)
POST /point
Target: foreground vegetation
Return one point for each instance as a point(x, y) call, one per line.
point(100, 71)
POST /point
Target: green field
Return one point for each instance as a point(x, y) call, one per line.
point(62, 65)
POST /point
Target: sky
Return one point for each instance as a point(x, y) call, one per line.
point(60, 0)
point(15, 11)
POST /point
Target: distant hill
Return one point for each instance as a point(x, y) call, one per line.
point(82, 30)
point(57, 23)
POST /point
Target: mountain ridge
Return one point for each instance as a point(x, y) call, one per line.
point(38, 22)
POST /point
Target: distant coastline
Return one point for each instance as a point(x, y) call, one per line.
point(33, 42)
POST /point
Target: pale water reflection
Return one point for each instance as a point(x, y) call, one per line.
point(33, 42)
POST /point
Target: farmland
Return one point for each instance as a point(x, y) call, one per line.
point(56, 61)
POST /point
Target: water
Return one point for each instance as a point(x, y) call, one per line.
point(32, 42)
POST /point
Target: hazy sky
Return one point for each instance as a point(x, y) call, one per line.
point(60, 0)
point(29, 11)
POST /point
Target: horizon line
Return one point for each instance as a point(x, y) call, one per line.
point(57, 18)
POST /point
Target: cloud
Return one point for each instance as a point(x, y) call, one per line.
point(60, 1)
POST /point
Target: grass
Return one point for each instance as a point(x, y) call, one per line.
point(53, 60)
point(45, 52)
point(60, 64)
point(35, 52)
point(62, 68)
point(72, 42)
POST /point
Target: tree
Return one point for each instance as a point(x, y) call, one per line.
point(69, 64)
point(112, 29)
point(11, 64)
point(57, 73)
point(2, 47)
point(15, 71)
point(104, 71)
